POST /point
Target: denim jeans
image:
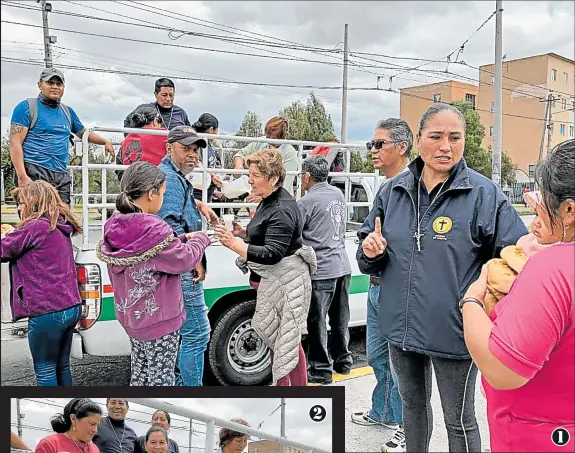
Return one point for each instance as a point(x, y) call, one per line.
point(329, 297)
point(456, 384)
point(50, 341)
point(195, 334)
point(385, 399)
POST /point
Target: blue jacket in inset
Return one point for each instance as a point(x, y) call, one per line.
point(467, 225)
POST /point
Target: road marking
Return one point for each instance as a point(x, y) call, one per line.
point(355, 373)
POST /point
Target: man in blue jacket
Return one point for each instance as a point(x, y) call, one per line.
point(183, 213)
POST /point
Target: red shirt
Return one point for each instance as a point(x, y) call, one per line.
point(149, 148)
point(60, 443)
point(533, 335)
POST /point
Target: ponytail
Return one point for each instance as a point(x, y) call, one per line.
point(206, 121)
point(60, 424)
point(125, 205)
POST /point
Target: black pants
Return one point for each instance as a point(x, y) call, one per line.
point(456, 384)
point(329, 298)
point(60, 180)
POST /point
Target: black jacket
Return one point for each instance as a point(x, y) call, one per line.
point(109, 434)
point(275, 230)
point(467, 225)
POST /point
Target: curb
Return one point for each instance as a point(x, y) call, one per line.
point(354, 374)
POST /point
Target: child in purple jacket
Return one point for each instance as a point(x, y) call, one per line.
point(43, 279)
point(145, 259)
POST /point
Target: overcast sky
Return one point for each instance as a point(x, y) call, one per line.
point(428, 30)
point(299, 426)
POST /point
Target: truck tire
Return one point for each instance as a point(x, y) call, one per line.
point(236, 354)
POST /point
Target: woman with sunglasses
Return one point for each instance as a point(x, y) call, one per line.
point(429, 232)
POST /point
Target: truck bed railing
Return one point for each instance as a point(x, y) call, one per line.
point(299, 144)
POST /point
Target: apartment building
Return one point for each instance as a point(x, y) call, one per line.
point(527, 82)
point(269, 446)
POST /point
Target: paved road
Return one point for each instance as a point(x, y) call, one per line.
point(369, 439)
point(17, 366)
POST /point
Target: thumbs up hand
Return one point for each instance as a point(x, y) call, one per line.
point(374, 244)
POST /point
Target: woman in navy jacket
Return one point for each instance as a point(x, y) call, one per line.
point(429, 232)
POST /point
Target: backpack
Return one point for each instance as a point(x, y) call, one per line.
point(33, 107)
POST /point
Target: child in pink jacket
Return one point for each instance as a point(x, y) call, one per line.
point(145, 259)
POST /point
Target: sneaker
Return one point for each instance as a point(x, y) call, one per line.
point(318, 381)
point(364, 419)
point(396, 443)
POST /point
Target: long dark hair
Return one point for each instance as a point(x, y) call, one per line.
point(555, 177)
point(140, 178)
point(80, 407)
point(205, 122)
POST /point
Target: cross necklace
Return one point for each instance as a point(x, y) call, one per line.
point(417, 235)
point(114, 431)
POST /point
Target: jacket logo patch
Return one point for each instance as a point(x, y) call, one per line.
point(442, 225)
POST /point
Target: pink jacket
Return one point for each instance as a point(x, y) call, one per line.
point(145, 259)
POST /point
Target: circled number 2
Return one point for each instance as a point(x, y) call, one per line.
point(317, 413)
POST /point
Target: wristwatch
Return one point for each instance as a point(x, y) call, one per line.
point(471, 299)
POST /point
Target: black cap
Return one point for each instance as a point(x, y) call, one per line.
point(48, 73)
point(185, 135)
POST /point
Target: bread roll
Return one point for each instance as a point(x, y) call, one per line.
point(499, 275)
point(6, 229)
point(489, 301)
point(514, 257)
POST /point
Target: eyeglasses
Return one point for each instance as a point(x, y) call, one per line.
point(380, 144)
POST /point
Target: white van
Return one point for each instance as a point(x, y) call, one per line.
point(235, 354)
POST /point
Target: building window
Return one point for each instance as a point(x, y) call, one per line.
point(554, 75)
point(562, 129)
point(564, 104)
point(471, 99)
point(571, 132)
point(492, 106)
point(491, 131)
point(565, 78)
point(436, 98)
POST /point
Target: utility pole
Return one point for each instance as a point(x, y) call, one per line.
point(19, 418)
point(344, 92)
point(546, 123)
point(283, 408)
point(48, 40)
point(550, 125)
point(498, 96)
point(191, 434)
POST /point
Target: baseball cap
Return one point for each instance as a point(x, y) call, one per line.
point(48, 73)
point(185, 135)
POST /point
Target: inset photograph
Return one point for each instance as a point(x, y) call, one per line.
point(176, 425)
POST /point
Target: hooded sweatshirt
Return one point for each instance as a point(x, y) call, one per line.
point(145, 259)
point(42, 269)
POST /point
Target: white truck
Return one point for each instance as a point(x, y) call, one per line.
point(235, 354)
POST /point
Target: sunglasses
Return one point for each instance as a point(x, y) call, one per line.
point(380, 144)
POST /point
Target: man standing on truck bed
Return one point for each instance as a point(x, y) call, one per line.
point(171, 115)
point(39, 136)
point(323, 214)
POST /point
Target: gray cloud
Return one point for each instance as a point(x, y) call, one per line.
point(299, 426)
point(409, 29)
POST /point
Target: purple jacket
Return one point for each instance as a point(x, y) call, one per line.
point(42, 269)
point(145, 259)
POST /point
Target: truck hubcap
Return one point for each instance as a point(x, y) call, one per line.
point(247, 353)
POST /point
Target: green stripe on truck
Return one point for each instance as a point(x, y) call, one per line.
point(359, 284)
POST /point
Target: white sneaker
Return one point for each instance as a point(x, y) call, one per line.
point(364, 419)
point(396, 443)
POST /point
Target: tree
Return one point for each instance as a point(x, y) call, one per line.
point(309, 122)
point(477, 157)
point(356, 163)
point(251, 126)
point(6, 166)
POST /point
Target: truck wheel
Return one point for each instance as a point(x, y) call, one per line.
point(236, 353)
